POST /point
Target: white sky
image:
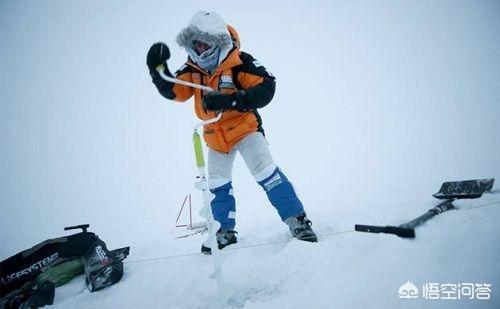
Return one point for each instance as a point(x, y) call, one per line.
point(377, 101)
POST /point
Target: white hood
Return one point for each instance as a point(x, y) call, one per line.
point(207, 27)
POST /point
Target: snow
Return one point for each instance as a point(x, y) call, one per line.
point(377, 104)
point(343, 270)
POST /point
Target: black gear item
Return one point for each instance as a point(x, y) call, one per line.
point(164, 87)
point(224, 239)
point(32, 294)
point(158, 54)
point(245, 101)
point(217, 101)
point(102, 268)
point(28, 264)
point(42, 295)
point(57, 260)
point(239, 101)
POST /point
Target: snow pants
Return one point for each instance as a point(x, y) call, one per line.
point(255, 152)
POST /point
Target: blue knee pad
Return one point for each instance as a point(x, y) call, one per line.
point(282, 195)
point(224, 206)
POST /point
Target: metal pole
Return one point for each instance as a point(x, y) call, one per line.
point(442, 207)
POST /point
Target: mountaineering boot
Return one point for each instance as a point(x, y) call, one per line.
point(300, 227)
point(225, 238)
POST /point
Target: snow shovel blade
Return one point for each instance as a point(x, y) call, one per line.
point(399, 231)
point(464, 189)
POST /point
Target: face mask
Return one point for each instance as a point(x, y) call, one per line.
point(208, 60)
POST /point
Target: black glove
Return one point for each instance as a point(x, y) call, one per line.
point(217, 101)
point(159, 54)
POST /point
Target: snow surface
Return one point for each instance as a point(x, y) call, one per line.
point(377, 103)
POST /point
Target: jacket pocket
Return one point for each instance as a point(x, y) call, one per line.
point(212, 140)
point(236, 128)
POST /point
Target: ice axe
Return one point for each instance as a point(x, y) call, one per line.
point(450, 191)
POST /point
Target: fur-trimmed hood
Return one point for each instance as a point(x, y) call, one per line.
point(208, 27)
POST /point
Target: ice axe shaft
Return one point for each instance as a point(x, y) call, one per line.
point(161, 70)
point(396, 230)
point(407, 230)
point(442, 207)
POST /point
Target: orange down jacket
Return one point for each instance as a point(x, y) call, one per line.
point(238, 71)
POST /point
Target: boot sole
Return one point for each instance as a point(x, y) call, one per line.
point(208, 250)
point(309, 238)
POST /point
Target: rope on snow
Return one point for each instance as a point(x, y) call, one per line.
point(324, 235)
